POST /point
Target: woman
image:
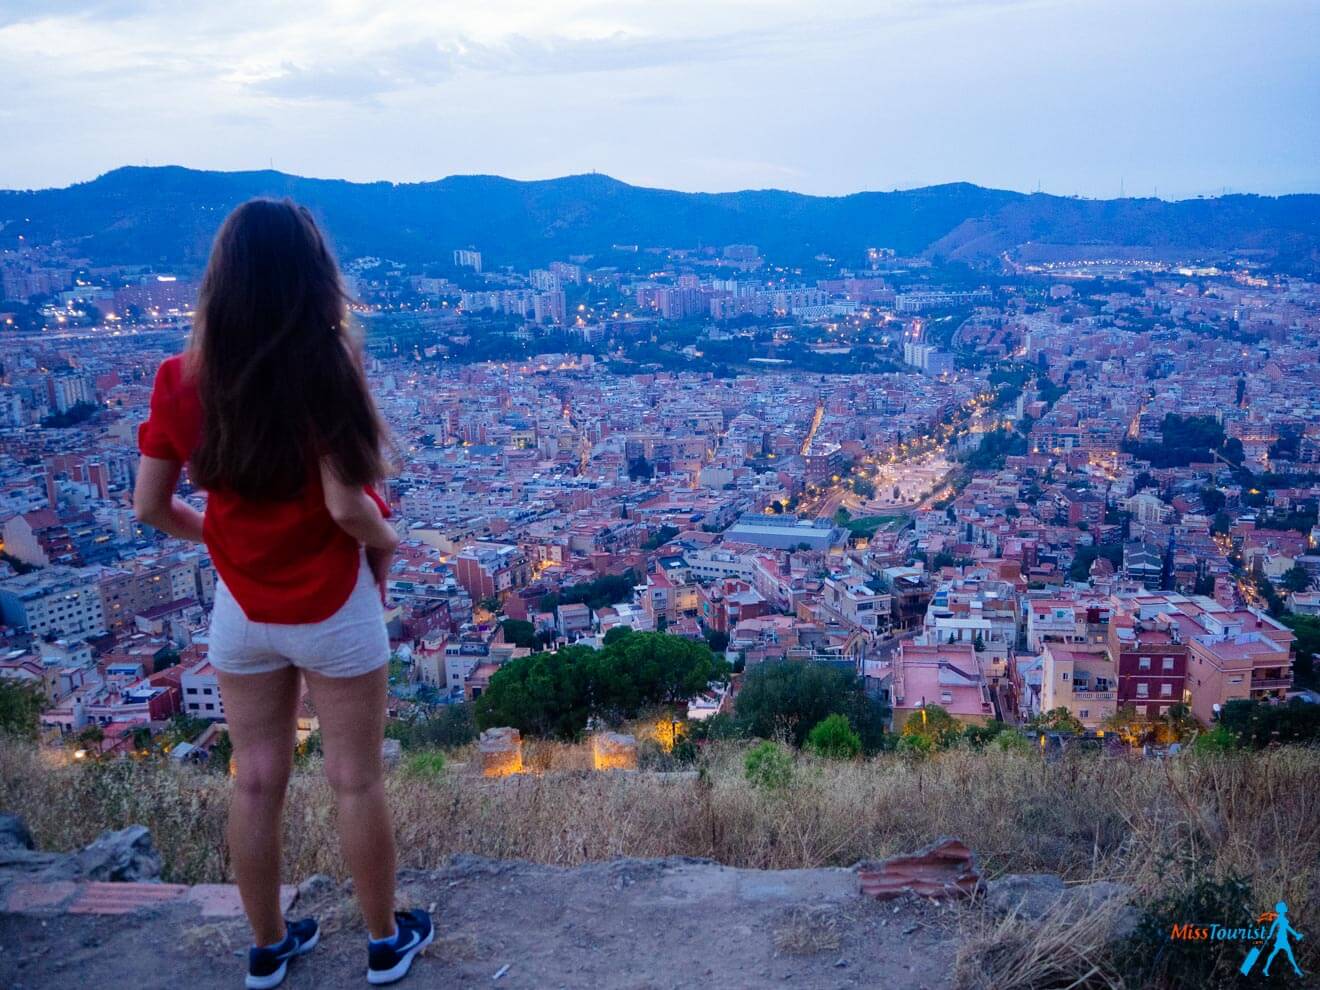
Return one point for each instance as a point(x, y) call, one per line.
point(269, 409)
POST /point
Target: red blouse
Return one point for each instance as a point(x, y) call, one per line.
point(283, 561)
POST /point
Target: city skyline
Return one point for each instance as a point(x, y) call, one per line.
point(1068, 97)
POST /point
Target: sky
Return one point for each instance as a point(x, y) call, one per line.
point(1095, 97)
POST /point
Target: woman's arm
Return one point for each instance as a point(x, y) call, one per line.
point(355, 512)
point(155, 503)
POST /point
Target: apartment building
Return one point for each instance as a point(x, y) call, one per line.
point(948, 674)
point(1081, 679)
point(491, 570)
point(60, 600)
point(201, 692)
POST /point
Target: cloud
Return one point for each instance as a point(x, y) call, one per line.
point(365, 77)
point(420, 65)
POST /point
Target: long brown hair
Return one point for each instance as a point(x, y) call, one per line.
point(279, 375)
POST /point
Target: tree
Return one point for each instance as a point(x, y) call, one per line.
point(1127, 725)
point(660, 537)
point(554, 694)
point(717, 640)
point(1307, 630)
point(931, 727)
point(165, 658)
point(141, 738)
point(519, 632)
point(1179, 724)
point(20, 709)
point(1258, 723)
point(544, 694)
point(1057, 720)
point(445, 725)
point(1212, 498)
point(788, 698)
point(977, 736)
point(650, 668)
point(1296, 578)
point(834, 738)
point(222, 751)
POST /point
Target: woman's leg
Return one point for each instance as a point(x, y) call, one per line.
point(261, 712)
point(351, 712)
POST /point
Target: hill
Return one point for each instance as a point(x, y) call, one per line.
point(165, 216)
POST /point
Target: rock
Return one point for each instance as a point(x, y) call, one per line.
point(16, 859)
point(127, 856)
point(614, 751)
point(14, 833)
point(945, 868)
point(1034, 896)
point(314, 886)
point(1030, 895)
point(391, 752)
point(501, 752)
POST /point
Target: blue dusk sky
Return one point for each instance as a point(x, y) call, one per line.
point(1186, 97)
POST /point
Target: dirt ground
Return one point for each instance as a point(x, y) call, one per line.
point(623, 925)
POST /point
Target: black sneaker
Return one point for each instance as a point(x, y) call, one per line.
point(389, 961)
point(268, 964)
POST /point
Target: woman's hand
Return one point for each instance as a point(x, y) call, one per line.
point(379, 560)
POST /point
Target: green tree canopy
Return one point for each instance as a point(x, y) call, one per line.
point(934, 726)
point(519, 632)
point(554, 694)
point(1057, 720)
point(1296, 578)
point(789, 698)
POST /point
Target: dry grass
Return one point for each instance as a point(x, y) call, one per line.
point(1151, 824)
point(1011, 953)
point(807, 931)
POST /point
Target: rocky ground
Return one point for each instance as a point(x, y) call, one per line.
point(626, 924)
point(100, 915)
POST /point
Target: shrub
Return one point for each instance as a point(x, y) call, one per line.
point(1151, 958)
point(1217, 740)
point(769, 765)
point(446, 725)
point(1057, 720)
point(834, 739)
point(429, 764)
point(978, 736)
point(720, 726)
point(1011, 742)
point(1258, 723)
point(915, 744)
point(20, 709)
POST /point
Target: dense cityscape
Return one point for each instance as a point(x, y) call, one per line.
point(1072, 495)
point(641, 496)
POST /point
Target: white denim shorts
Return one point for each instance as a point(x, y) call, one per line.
point(351, 642)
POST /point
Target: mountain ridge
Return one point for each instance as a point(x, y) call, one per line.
point(166, 215)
